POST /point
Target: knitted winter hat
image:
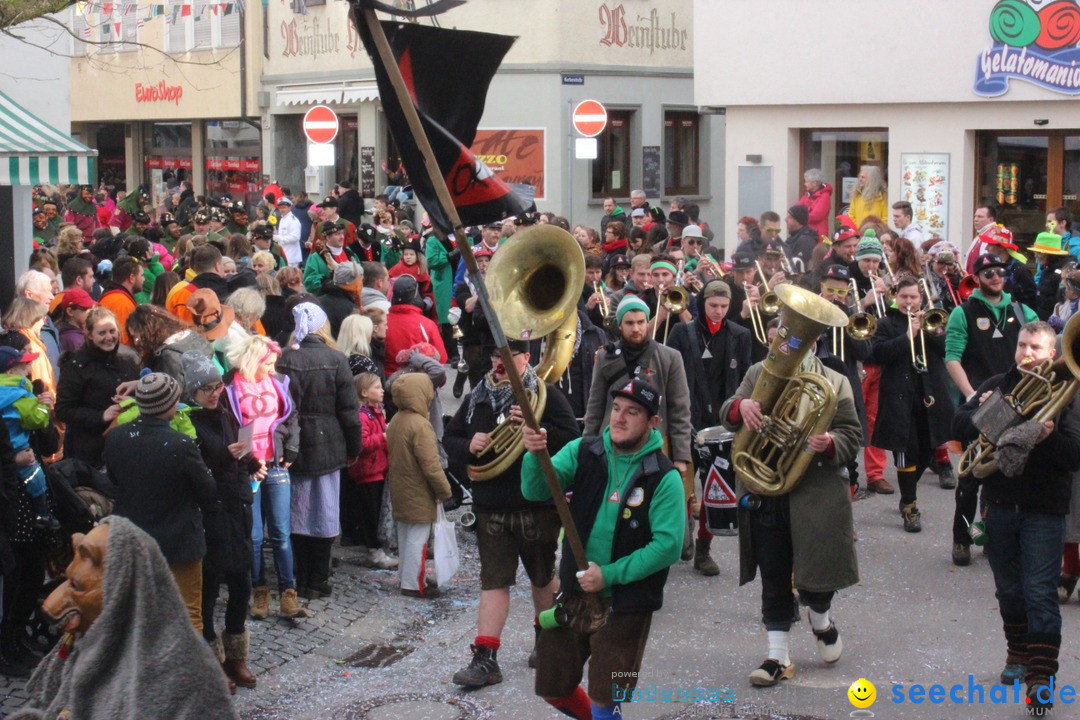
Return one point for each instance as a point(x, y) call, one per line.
point(156, 393)
point(199, 371)
point(628, 304)
point(868, 247)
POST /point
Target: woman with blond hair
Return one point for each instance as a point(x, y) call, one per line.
point(69, 244)
point(259, 396)
point(870, 196)
point(27, 317)
point(354, 339)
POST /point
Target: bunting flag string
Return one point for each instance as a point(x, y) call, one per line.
point(107, 12)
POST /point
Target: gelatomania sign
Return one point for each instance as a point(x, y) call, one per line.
point(1034, 41)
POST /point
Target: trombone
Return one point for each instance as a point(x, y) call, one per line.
point(788, 266)
point(756, 321)
point(605, 311)
point(770, 301)
point(933, 321)
point(861, 325)
point(879, 301)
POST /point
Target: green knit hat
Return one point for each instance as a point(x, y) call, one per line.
point(628, 304)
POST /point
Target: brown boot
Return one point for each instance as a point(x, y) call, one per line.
point(260, 603)
point(702, 562)
point(290, 605)
point(236, 655)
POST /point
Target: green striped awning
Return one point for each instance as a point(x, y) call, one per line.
point(33, 153)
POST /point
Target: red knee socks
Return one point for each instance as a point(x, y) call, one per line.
point(575, 705)
point(1071, 564)
point(488, 641)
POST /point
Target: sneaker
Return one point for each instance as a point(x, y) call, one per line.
point(771, 672)
point(961, 554)
point(483, 670)
point(1013, 671)
point(912, 518)
point(829, 644)
point(946, 477)
point(260, 603)
point(881, 486)
point(383, 561)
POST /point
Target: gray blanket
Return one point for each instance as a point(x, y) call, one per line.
point(142, 659)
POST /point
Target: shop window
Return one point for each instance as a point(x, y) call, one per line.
point(81, 32)
point(839, 154)
point(166, 157)
point(681, 153)
point(233, 167)
point(611, 168)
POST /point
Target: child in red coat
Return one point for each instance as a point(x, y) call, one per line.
point(364, 495)
point(413, 262)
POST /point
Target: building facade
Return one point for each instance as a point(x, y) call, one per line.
point(961, 104)
point(165, 91)
point(633, 56)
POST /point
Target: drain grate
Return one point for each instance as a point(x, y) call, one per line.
point(410, 704)
point(377, 655)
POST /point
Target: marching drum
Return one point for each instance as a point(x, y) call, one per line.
point(716, 476)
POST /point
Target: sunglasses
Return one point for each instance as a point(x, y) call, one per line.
point(838, 292)
point(944, 264)
point(691, 241)
point(992, 273)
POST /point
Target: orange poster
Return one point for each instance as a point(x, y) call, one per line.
point(515, 155)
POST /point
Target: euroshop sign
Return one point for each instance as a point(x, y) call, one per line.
point(1035, 42)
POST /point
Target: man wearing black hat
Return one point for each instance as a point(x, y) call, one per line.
point(510, 528)
point(217, 231)
point(139, 222)
point(238, 218)
point(329, 207)
point(350, 204)
point(676, 221)
point(172, 231)
point(326, 256)
point(262, 238)
point(628, 507)
point(716, 354)
point(802, 239)
point(980, 341)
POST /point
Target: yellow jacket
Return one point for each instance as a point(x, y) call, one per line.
point(861, 208)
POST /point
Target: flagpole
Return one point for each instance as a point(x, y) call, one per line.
point(442, 192)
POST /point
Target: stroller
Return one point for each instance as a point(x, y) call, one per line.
point(462, 497)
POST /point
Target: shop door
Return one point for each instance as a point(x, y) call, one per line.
point(1070, 176)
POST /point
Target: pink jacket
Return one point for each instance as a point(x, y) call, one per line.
point(819, 206)
point(374, 459)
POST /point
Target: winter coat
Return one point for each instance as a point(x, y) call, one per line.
point(710, 380)
point(86, 223)
point(228, 524)
point(861, 208)
point(822, 535)
point(416, 479)
point(285, 429)
point(436, 372)
point(406, 325)
point(167, 359)
point(71, 337)
point(1049, 282)
point(503, 492)
point(1019, 284)
point(662, 368)
point(351, 206)
point(801, 244)
point(819, 207)
point(151, 269)
point(22, 412)
point(339, 304)
point(902, 391)
point(576, 382)
point(88, 380)
point(162, 482)
point(277, 321)
point(317, 270)
point(322, 390)
point(374, 461)
point(474, 326)
point(441, 270)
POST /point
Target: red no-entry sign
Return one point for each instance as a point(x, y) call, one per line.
point(320, 125)
point(590, 118)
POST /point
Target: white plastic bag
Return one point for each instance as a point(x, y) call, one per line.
point(446, 549)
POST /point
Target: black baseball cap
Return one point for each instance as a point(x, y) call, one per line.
point(640, 392)
point(986, 261)
point(328, 201)
point(742, 261)
point(836, 272)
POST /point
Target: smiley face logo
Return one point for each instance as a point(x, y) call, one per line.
point(862, 693)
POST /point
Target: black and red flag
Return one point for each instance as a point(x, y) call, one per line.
point(447, 73)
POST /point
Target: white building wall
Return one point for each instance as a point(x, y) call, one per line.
point(35, 70)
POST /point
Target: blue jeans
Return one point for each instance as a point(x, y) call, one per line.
point(272, 499)
point(33, 477)
point(1024, 549)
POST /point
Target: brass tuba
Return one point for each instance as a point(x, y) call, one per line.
point(1040, 395)
point(534, 282)
point(796, 405)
